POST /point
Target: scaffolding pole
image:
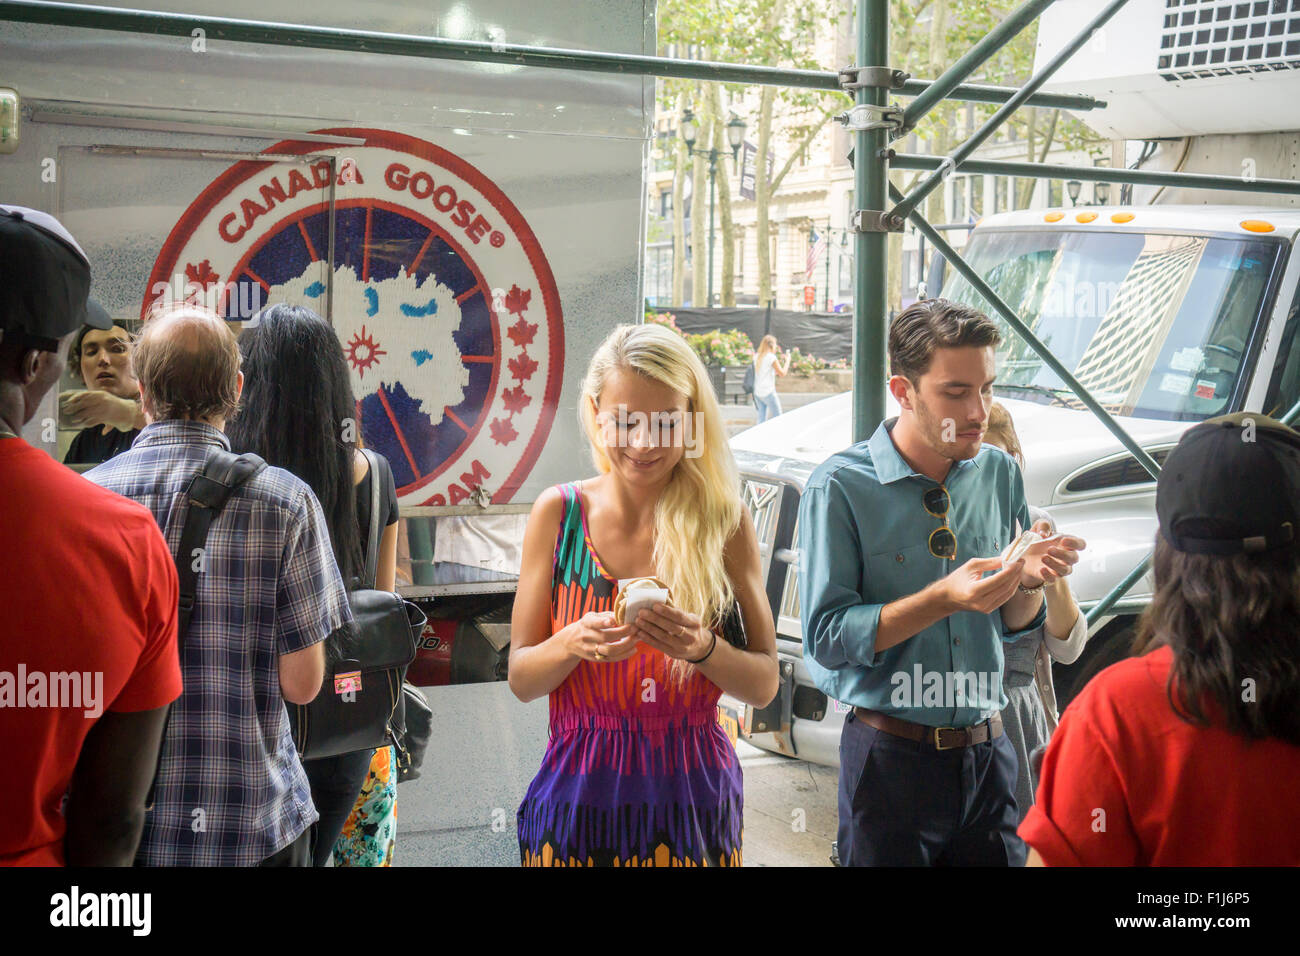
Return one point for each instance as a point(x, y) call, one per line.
point(161, 23)
point(959, 155)
point(1103, 174)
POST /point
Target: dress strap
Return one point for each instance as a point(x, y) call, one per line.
point(571, 520)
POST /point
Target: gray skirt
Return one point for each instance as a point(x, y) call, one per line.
point(1025, 723)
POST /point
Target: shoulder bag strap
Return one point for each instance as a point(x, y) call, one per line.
point(371, 572)
point(207, 493)
point(221, 474)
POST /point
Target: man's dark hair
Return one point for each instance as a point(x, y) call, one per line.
point(935, 324)
point(74, 353)
point(1228, 619)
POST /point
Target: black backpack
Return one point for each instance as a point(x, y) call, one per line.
point(749, 378)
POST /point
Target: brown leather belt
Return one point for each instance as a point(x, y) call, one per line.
point(937, 738)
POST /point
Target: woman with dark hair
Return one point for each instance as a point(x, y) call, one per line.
point(1190, 754)
point(298, 412)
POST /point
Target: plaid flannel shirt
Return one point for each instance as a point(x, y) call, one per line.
point(231, 790)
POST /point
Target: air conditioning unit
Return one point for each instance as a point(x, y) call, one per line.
point(1172, 68)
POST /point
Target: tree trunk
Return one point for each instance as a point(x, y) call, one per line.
point(942, 115)
point(726, 229)
point(1025, 194)
point(679, 210)
point(700, 206)
point(762, 189)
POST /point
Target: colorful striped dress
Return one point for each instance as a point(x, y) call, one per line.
point(637, 771)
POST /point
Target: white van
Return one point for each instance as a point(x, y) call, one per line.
point(1168, 315)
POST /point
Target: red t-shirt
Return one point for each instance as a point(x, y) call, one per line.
point(1125, 782)
point(87, 587)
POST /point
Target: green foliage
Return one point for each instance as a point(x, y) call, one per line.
point(722, 348)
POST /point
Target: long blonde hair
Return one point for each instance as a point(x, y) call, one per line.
point(700, 508)
point(767, 345)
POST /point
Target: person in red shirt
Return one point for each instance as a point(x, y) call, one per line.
point(1190, 754)
point(88, 595)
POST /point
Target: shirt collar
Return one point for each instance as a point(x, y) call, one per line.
point(891, 466)
point(181, 431)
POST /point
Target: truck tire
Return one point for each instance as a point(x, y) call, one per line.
point(1112, 644)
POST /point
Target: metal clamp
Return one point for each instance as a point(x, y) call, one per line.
point(875, 220)
point(866, 116)
point(863, 77)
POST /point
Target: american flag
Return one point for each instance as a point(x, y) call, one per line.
point(816, 246)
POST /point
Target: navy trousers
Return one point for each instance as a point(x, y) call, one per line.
point(905, 804)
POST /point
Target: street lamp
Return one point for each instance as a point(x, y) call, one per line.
point(735, 136)
point(1072, 188)
point(1102, 192)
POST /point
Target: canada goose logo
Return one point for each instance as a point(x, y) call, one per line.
point(442, 299)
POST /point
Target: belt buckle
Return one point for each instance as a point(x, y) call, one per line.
point(940, 746)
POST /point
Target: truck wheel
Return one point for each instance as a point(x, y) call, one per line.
point(1111, 645)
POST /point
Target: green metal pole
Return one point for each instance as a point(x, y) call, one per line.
point(1118, 591)
point(955, 158)
point(1051, 361)
point(951, 78)
point(980, 93)
point(870, 184)
point(1103, 174)
point(471, 51)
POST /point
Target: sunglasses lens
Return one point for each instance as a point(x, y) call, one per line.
point(943, 543)
point(936, 501)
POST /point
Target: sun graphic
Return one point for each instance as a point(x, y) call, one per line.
point(363, 352)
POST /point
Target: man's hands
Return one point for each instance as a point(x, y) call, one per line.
point(966, 589)
point(593, 637)
point(95, 407)
point(1052, 559)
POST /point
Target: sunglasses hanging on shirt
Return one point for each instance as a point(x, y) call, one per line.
point(943, 542)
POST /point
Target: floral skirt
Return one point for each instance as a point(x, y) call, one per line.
point(371, 830)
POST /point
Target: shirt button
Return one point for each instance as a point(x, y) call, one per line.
point(956, 640)
point(898, 558)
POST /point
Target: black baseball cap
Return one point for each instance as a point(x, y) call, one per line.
point(1232, 486)
point(44, 277)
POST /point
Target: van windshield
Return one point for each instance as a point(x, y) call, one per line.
point(1153, 325)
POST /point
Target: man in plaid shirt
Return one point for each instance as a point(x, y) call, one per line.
point(231, 790)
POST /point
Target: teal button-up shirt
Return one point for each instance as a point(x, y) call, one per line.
point(863, 535)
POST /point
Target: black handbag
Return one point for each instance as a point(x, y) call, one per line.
point(356, 708)
point(412, 737)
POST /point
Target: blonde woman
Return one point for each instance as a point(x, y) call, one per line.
point(1030, 715)
point(766, 368)
point(637, 771)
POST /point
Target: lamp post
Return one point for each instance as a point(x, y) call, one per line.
point(1100, 193)
point(735, 136)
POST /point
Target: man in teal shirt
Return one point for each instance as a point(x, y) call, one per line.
point(926, 775)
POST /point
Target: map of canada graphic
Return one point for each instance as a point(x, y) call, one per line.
point(442, 299)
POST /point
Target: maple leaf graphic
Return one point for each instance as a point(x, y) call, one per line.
point(202, 275)
point(522, 333)
point(515, 399)
point(522, 367)
point(517, 300)
point(503, 433)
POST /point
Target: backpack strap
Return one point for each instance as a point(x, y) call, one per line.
point(208, 491)
point(371, 571)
